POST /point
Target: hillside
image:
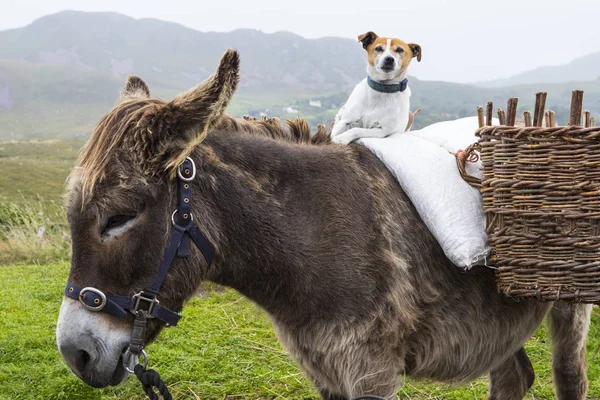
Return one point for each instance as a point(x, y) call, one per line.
point(61, 73)
point(51, 160)
point(582, 69)
point(171, 55)
point(51, 101)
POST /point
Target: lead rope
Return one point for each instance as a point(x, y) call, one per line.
point(149, 378)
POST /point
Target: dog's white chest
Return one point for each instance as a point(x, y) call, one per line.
point(387, 111)
point(370, 113)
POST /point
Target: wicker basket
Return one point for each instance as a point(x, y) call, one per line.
point(541, 197)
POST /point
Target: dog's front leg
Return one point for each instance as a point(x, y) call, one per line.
point(358, 133)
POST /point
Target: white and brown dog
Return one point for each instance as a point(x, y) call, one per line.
point(380, 104)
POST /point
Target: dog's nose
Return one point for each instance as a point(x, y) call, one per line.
point(388, 61)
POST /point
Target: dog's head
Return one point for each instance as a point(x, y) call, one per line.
point(388, 58)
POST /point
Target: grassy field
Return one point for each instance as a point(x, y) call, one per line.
point(33, 226)
point(36, 170)
point(224, 346)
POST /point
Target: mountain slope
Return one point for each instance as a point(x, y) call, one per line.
point(60, 74)
point(49, 101)
point(174, 56)
point(585, 68)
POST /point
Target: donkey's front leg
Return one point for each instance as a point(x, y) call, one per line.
point(327, 395)
point(511, 379)
point(569, 324)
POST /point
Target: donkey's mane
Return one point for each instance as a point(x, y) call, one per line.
point(108, 136)
point(294, 130)
point(124, 120)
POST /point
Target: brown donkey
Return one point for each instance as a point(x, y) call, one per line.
point(321, 237)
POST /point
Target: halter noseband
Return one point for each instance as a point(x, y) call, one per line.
point(145, 304)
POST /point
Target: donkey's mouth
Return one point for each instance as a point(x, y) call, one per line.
point(120, 373)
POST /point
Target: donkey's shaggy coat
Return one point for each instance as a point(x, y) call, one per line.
point(322, 237)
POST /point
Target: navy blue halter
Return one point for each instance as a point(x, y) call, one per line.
point(183, 230)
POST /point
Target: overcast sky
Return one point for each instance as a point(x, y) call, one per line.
point(462, 40)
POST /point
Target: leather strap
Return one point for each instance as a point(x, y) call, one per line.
point(169, 255)
point(201, 242)
point(119, 306)
point(184, 204)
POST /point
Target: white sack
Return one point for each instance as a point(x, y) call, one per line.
point(427, 172)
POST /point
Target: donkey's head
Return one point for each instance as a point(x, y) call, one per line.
point(120, 199)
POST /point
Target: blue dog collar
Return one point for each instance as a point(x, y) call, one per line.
point(385, 88)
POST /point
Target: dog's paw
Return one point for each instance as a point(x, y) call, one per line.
point(341, 139)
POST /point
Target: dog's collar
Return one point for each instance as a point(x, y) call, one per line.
point(387, 88)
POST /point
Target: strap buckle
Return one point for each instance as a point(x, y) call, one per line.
point(99, 301)
point(177, 212)
point(187, 175)
point(138, 298)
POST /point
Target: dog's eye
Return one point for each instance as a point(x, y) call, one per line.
point(400, 50)
point(378, 49)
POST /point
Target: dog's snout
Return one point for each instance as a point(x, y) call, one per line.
point(389, 60)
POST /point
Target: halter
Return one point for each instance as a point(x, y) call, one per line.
point(145, 304)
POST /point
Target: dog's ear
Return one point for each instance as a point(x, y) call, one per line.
point(367, 38)
point(416, 50)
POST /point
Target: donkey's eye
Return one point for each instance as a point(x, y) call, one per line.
point(116, 221)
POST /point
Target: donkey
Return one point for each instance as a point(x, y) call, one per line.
point(321, 237)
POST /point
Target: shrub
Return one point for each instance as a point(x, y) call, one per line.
point(33, 232)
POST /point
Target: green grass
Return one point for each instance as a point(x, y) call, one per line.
point(33, 232)
point(224, 346)
point(36, 170)
point(33, 225)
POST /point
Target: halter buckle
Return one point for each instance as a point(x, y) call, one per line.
point(190, 178)
point(177, 212)
point(139, 297)
point(101, 299)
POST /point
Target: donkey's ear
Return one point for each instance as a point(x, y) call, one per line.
point(204, 105)
point(175, 128)
point(135, 87)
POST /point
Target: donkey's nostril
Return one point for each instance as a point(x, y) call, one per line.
point(77, 359)
point(83, 361)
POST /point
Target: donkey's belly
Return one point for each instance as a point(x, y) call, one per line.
point(465, 341)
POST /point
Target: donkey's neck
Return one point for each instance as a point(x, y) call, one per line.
point(268, 206)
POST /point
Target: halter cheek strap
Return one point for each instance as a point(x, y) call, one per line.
point(183, 230)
